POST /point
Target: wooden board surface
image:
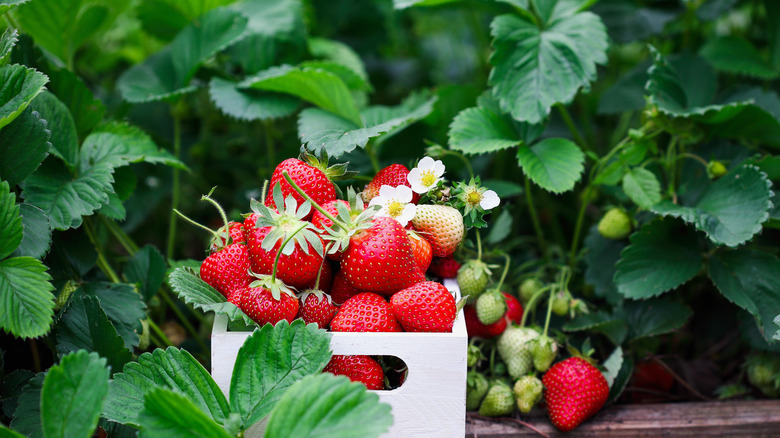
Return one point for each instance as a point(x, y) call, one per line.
point(753, 418)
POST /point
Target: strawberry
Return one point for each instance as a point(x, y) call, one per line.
point(543, 349)
point(67, 290)
point(441, 225)
point(616, 224)
point(491, 306)
point(763, 372)
point(380, 259)
point(444, 267)
point(514, 350)
point(393, 175)
point(473, 276)
point(358, 368)
point(421, 250)
point(340, 289)
point(498, 402)
point(313, 180)
point(716, 169)
point(528, 392)
point(652, 376)
point(425, 307)
point(476, 388)
point(262, 307)
point(514, 310)
point(365, 312)
point(236, 232)
point(227, 270)
point(560, 303)
point(477, 329)
point(528, 288)
point(316, 307)
point(575, 390)
point(322, 222)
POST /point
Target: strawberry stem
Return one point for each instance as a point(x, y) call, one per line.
point(532, 302)
point(313, 202)
point(479, 247)
point(319, 273)
point(214, 233)
point(279, 252)
point(208, 198)
point(506, 269)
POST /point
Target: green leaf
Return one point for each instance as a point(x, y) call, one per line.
point(503, 188)
point(123, 306)
point(119, 144)
point(601, 255)
point(337, 52)
point(85, 326)
point(351, 79)
point(190, 288)
point(173, 369)
point(554, 164)
point(479, 130)
point(59, 122)
point(65, 198)
point(26, 301)
point(61, 27)
point(73, 394)
point(756, 117)
point(749, 279)
point(642, 187)
point(19, 87)
point(776, 336)
point(7, 42)
point(621, 380)
point(500, 229)
point(613, 364)
point(733, 54)
point(163, 19)
point(6, 5)
point(249, 104)
point(24, 143)
point(113, 208)
point(5, 432)
point(166, 414)
point(273, 17)
point(731, 210)
point(773, 31)
point(321, 130)
point(655, 316)
point(663, 254)
point(629, 21)
point(87, 111)
point(27, 416)
point(403, 4)
point(627, 93)
point(167, 74)
point(146, 268)
point(536, 68)
point(320, 87)
point(325, 405)
point(613, 327)
point(270, 361)
point(11, 231)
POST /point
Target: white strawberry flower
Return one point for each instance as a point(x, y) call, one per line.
point(487, 199)
point(396, 202)
point(426, 175)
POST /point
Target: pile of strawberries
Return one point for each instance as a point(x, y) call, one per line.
point(347, 265)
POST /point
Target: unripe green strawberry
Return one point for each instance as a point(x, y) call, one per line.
point(498, 402)
point(716, 169)
point(514, 350)
point(544, 350)
point(560, 303)
point(528, 288)
point(763, 372)
point(528, 392)
point(65, 293)
point(616, 224)
point(143, 339)
point(499, 369)
point(472, 278)
point(476, 388)
point(491, 306)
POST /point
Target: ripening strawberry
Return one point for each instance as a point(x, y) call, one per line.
point(514, 349)
point(425, 307)
point(498, 402)
point(312, 180)
point(441, 225)
point(316, 307)
point(380, 259)
point(358, 368)
point(491, 306)
point(393, 175)
point(365, 312)
point(444, 267)
point(514, 310)
point(528, 392)
point(262, 307)
point(479, 330)
point(227, 270)
point(473, 276)
point(421, 249)
point(575, 390)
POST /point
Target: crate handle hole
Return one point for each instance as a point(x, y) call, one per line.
point(359, 367)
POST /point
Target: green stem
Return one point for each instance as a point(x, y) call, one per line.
point(503, 274)
point(324, 260)
point(281, 248)
point(535, 217)
point(575, 241)
point(479, 246)
point(11, 22)
point(211, 201)
point(120, 235)
point(578, 138)
point(180, 214)
point(670, 165)
point(463, 159)
point(372, 156)
point(532, 303)
point(549, 313)
point(176, 189)
point(167, 342)
point(102, 262)
point(695, 157)
point(314, 203)
point(186, 323)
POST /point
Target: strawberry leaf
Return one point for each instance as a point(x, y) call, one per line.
point(621, 379)
point(167, 413)
point(613, 327)
point(5, 432)
point(733, 54)
point(163, 19)
point(271, 360)
point(749, 279)
point(7, 43)
point(340, 53)
point(731, 210)
point(554, 164)
point(642, 187)
point(663, 255)
point(612, 366)
point(250, 104)
point(36, 237)
point(600, 258)
point(27, 416)
point(123, 306)
point(59, 122)
point(654, 316)
point(6, 5)
point(119, 144)
point(536, 66)
point(25, 296)
point(24, 143)
point(316, 406)
point(190, 288)
point(87, 111)
point(147, 269)
point(172, 369)
point(20, 86)
point(11, 231)
point(72, 395)
point(479, 130)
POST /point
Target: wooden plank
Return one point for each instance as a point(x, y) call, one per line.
point(751, 418)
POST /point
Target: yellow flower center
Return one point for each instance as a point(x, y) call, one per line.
point(473, 197)
point(395, 208)
point(428, 178)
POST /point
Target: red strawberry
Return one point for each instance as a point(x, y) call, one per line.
point(441, 225)
point(235, 231)
point(341, 290)
point(312, 180)
point(652, 376)
point(380, 259)
point(322, 222)
point(393, 175)
point(326, 279)
point(444, 267)
point(260, 305)
point(421, 250)
point(358, 368)
point(514, 310)
point(365, 312)
point(317, 307)
point(575, 390)
point(227, 270)
point(476, 329)
point(425, 307)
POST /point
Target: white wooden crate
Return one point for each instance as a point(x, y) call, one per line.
point(432, 400)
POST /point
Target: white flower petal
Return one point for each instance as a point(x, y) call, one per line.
point(387, 192)
point(438, 168)
point(489, 200)
point(426, 163)
point(377, 200)
point(407, 214)
point(403, 194)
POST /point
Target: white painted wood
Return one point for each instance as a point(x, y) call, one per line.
point(432, 400)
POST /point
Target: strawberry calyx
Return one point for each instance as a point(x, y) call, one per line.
point(221, 238)
point(336, 172)
point(317, 293)
point(273, 284)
